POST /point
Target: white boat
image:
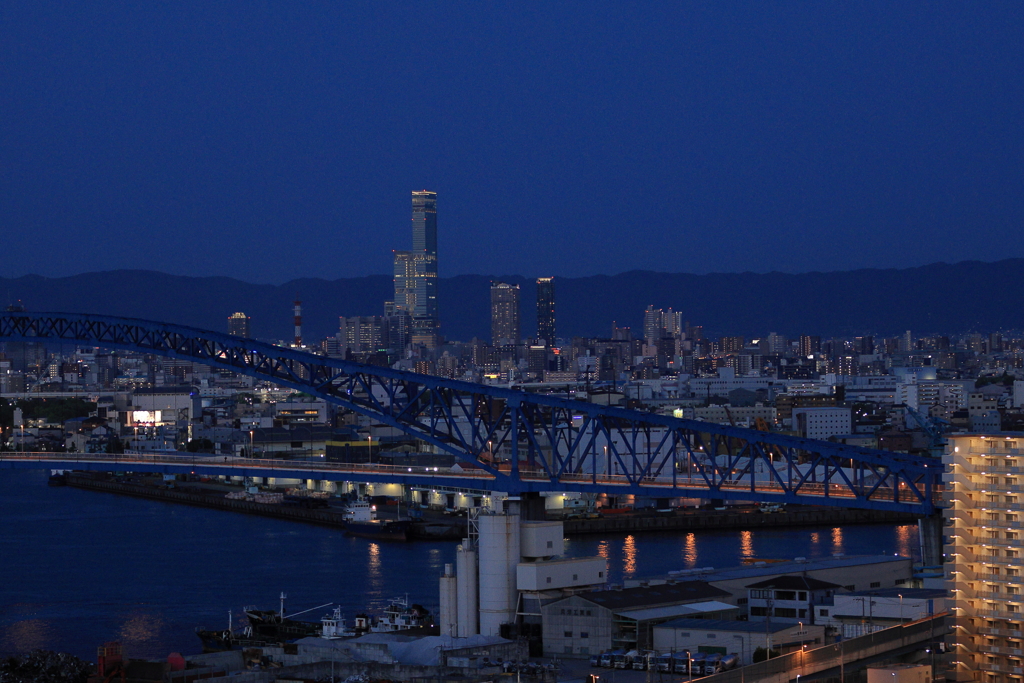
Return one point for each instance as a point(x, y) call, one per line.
point(334, 627)
point(399, 616)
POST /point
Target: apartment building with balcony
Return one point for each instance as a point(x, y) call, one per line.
point(985, 570)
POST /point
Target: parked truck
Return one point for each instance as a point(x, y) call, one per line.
point(643, 661)
point(712, 664)
point(625, 660)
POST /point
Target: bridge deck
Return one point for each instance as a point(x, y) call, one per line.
point(461, 477)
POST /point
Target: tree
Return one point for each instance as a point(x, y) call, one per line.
point(203, 445)
point(760, 654)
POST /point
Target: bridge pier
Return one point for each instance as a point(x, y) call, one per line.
point(531, 507)
point(929, 531)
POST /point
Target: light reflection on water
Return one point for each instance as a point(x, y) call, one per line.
point(690, 550)
point(746, 545)
point(23, 636)
point(141, 634)
point(373, 572)
point(658, 553)
point(629, 556)
point(837, 540)
point(907, 538)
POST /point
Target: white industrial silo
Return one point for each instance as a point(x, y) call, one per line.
point(466, 584)
point(448, 618)
point(499, 555)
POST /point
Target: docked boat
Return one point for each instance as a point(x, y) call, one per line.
point(58, 478)
point(266, 627)
point(399, 615)
point(334, 627)
point(361, 520)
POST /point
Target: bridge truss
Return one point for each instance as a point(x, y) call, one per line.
point(545, 442)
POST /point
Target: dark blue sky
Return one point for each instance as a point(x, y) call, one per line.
point(268, 141)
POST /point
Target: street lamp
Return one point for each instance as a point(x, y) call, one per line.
point(369, 449)
point(252, 448)
point(689, 666)
point(901, 607)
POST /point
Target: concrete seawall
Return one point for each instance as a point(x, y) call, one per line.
point(331, 518)
point(627, 523)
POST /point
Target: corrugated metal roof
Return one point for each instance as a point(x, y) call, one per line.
point(662, 594)
point(723, 625)
point(776, 568)
point(798, 583)
point(676, 610)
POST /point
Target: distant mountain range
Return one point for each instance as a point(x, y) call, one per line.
point(940, 297)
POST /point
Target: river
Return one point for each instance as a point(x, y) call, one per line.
point(78, 568)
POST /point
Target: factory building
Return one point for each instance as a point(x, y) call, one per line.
point(592, 622)
point(506, 570)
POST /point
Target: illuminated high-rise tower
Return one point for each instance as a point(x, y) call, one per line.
point(416, 272)
point(238, 324)
point(546, 309)
point(504, 314)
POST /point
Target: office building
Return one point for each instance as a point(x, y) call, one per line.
point(654, 324)
point(809, 345)
point(546, 310)
point(238, 325)
point(984, 508)
point(822, 423)
point(363, 334)
point(504, 314)
point(415, 272)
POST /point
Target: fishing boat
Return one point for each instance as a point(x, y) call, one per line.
point(399, 615)
point(334, 627)
point(266, 627)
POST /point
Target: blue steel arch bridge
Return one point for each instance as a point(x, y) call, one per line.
point(547, 442)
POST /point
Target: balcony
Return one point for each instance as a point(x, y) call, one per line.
point(1001, 668)
point(988, 613)
point(980, 536)
point(1003, 632)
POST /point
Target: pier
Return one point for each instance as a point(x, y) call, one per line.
point(633, 522)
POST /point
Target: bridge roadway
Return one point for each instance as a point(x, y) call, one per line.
point(462, 476)
point(551, 442)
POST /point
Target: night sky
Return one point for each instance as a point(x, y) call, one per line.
point(268, 141)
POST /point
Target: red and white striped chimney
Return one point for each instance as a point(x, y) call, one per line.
point(298, 323)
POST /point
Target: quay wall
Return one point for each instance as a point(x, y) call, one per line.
point(331, 518)
point(628, 523)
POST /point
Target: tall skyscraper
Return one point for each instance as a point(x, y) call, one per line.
point(238, 325)
point(415, 272)
point(546, 309)
point(654, 324)
point(504, 313)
